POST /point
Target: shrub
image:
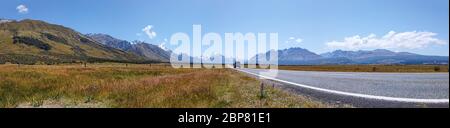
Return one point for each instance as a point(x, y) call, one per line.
point(32, 42)
point(54, 38)
point(437, 68)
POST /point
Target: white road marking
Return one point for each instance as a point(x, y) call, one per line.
point(356, 94)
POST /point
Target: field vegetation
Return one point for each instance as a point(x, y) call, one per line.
point(138, 86)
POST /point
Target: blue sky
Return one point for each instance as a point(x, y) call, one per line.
point(419, 26)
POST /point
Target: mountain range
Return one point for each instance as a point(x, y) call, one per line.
point(300, 56)
point(33, 41)
point(140, 48)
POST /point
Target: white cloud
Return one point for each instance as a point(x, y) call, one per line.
point(294, 40)
point(163, 46)
point(408, 40)
point(149, 31)
point(22, 9)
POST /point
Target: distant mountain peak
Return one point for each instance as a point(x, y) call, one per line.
point(382, 50)
point(383, 56)
point(163, 46)
point(294, 48)
point(6, 20)
point(292, 54)
point(110, 41)
point(301, 56)
point(363, 53)
point(99, 34)
point(138, 42)
point(137, 47)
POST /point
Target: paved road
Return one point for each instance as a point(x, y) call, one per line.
point(405, 87)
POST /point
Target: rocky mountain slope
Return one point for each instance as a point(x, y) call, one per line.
point(140, 48)
point(34, 41)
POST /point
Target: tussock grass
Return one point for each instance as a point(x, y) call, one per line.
point(137, 86)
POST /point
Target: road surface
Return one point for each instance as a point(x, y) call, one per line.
point(370, 89)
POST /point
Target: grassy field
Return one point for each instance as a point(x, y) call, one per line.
point(136, 86)
point(369, 68)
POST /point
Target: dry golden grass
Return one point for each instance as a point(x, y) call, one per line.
point(369, 68)
point(136, 86)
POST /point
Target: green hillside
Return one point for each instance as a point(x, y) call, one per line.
point(33, 41)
